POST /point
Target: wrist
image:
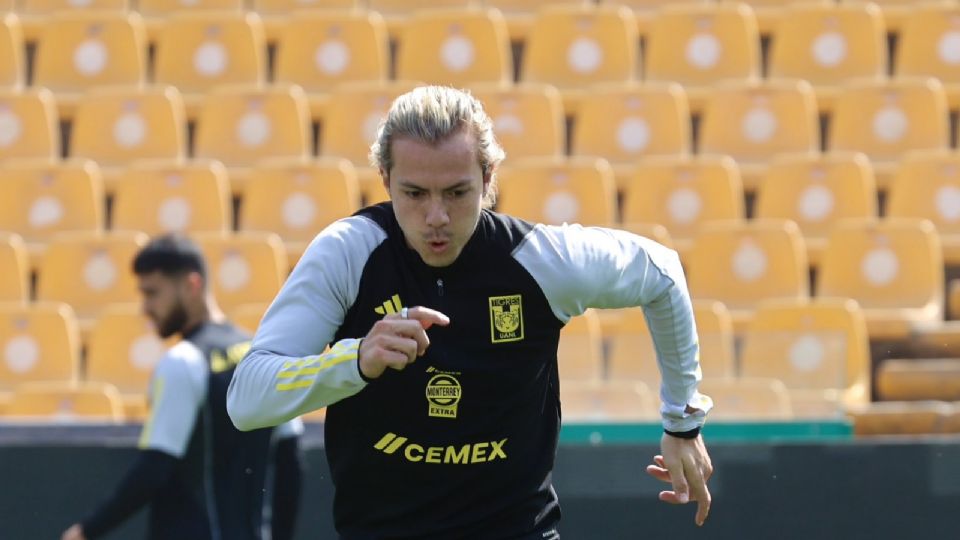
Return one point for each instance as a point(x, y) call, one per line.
point(689, 434)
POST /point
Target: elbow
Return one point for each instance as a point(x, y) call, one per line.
point(240, 414)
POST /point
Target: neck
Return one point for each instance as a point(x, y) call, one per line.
point(203, 312)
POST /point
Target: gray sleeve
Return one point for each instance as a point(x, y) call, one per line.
point(287, 373)
point(591, 267)
point(177, 390)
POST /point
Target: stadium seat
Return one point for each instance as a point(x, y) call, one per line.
point(197, 51)
point(34, 14)
point(90, 271)
point(15, 269)
point(633, 357)
point(815, 191)
point(38, 342)
point(927, 185)
point(65, 402)
point(12, 53)
point(819, 348)
point(753, 121)
point(344, 46)
point(42, 199)
point(455, 47)
point(906, 379)
point(769, 13)
point(829, 45)
point(607, 401)
point(528, 118)
point(520, 14)
point(248, 316)
point(748, 399)
point(580, 352)
point(624, 122)
point(277, 14)
point(157, 13)
point(554, 191)
point(646, 11)
point(31, 128)
point(900, 418)
point(896, 13)
point(241, 125)
point(885, 120)
point(82, 49)
point(681, 193)
point(892, 267)
point(398, 12)
point(245, 267)
point(741, 263)
point(718, 41)
point(349, 128)
point(142, 123)
point(297, 199)
point(165, 196)
point(573, 46)
point(927, 47)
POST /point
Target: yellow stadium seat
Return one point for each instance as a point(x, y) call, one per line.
point(829, 45)
point(901, 418)
point(927, 185)
point(574, 46)
point(622, 123)
point(633, 357)
point(455, 47)
point(748, 399)
point(741, 263)
point(885, 120)
point(277, 14)
point(528, 118)
point(79, 50)
point(397, 12)
point(90, 271)
point(815, 191)
point(296, 199)
point(15, 268)
point(769, 13)
point(34, 14)
point(245, 267)
point(42, 199)
point(157, 13)
point(343, 46)
point(520, 14)
point(31, 124)
point(241, 125)
point(12, 53)
point(163, 196)
point(580, 352)
point(919, 378)
point(248, 316)
point(66, 402)
point(753, 121)
point(892, 267)
point(819, 348)
point(896, 13)
point(38, 342)
point(607, 401)
point(926, 47)
point(698, 45)
point(200, 50)
point(681, 193)
point(554, 191)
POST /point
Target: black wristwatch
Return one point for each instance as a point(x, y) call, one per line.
point(691, 434)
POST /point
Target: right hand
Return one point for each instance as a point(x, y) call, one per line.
point(394, 342)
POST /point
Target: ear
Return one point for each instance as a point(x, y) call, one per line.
point(194, 283)
point(385, 178)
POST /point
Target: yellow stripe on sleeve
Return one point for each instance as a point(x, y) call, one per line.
point(147, 431)
point(339, 354)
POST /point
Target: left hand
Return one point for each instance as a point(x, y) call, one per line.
point(75, 532)
point(685, 464)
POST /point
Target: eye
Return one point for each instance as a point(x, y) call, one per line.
point(458, 193)
point(414, 193)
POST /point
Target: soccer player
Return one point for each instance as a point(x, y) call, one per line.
point(443, 320)
point(202, 478)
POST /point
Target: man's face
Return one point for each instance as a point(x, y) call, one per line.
point(164, 300)
point(436, 192)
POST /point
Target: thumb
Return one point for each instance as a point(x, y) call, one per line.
point(427, 317)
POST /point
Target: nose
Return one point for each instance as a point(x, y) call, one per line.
point(437, 215)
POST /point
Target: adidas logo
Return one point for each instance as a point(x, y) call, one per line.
point(392, 305)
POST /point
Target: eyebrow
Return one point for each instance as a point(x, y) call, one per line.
point(459, 185)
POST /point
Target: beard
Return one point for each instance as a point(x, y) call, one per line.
point(174, 322)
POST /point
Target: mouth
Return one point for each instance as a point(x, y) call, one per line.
point(438, 246)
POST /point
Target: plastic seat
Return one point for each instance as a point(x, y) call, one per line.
point(829, 45)
point(245, 267)
point(520, 14)
point(398, 12)
point(718, 41)
point(633, 357)
point(681, 193)
point(580, 352)
point(34, 14)
point(927, 185)
point(885, 120)
point(819, 348)
point(892, 267)
point(574, 46)
point(276, 14)
point(528, 118)
point(12, 53)
point(607, 401)
point(248, 316)
point(66, 402)
point(14, 267)
point(926, 46)
point(753, 121)
point(816, 191)
point(157, 13)
point(38, 342)
point(161, 196)
point(80, 50)
point(455, 47)
point(200, 50)
point(742, 263)
point(343, 46)
point(31, 125)
point(769, 13)
point(901, 418)
point(297, 199)
point(622, 123)
point(748, 399)
point(896, 13)
point(241, 125)
point(919, 378)
point(575, 190)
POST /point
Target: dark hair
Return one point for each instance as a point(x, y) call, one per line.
point(172, 255)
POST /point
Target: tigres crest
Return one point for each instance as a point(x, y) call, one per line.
point(506, 318)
